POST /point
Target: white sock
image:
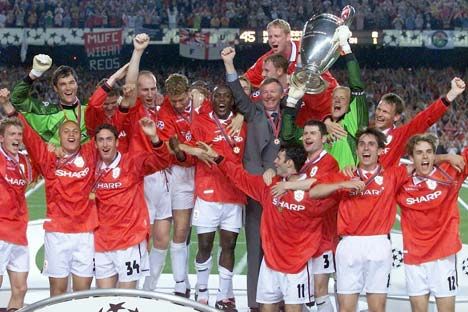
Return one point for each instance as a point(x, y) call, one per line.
point(225, 280)
point(179, 265)
point(203, 273)
point(324, 304)
point(157, 258)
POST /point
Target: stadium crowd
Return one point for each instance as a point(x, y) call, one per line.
point(371, 14)
point(121, 163)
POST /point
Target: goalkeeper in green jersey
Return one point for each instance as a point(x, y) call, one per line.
point(43, 116)
point(349, 111)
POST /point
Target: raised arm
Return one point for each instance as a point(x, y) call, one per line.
point(242, 101)
point(140, 42)
point(20, 97)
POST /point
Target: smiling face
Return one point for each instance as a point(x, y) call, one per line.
point(385, 115)
point(66, 89)
point(106, 144)
point(423, 157)
point(70, 136)
point(222, 101)
point(11, 139)
point(312, 139)
point(278, 40)
point(340, 103)
point(368, 151)
point(271, 94)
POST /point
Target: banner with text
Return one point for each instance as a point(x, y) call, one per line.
point(103, 49)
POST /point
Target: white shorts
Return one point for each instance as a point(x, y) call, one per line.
point(324, 264)
point(67, 253)
point(13, 257)
point(182, 187)
point(438, 277)
point(129, 264)
point(158, 198)
point(274, 286)
point(208, 216)
point(363, 263)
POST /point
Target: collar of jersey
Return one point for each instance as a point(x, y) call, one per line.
point(113, 164)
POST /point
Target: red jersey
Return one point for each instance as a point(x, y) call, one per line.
point(290, 237)
point(372, 211)
point(138, 140)
point(317, 106)
point(254, 73)
point(430, 215)
point(123, 215)
point(324, 165)
point(397, 137)
point(175, 123)
point(15, 175)
point(68, 182)
point(95, 116)
point(210, 183)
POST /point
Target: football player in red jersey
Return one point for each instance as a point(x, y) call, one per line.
point(104, 107)
point(279, 40)
point(16, 173)
point(176, 115)
point(366, 213)
point(121, 251)
point(389, 111)
point(147, 101)
point(71, 214)
point(318, 164)
point(291, 225)
point(219, 203)
point(430, 221)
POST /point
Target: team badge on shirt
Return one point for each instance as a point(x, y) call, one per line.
point(431, 184)
point(116, 172)
point(188, 136)
point(313, 171)
point(160, 124)
point(298, 195)
point(389, 139)
point(79, 162)
point(379, 180)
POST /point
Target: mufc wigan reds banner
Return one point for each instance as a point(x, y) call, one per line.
point(103, 49)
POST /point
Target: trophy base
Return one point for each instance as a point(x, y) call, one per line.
point(310, 82)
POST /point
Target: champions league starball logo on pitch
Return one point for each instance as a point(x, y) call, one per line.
point(119, 307)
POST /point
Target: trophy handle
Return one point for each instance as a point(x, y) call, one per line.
point(347, 15)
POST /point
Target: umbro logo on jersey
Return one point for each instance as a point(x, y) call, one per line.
point(424, 198)
point(70, 174)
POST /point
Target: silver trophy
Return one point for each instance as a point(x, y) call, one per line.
point(319, 49)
